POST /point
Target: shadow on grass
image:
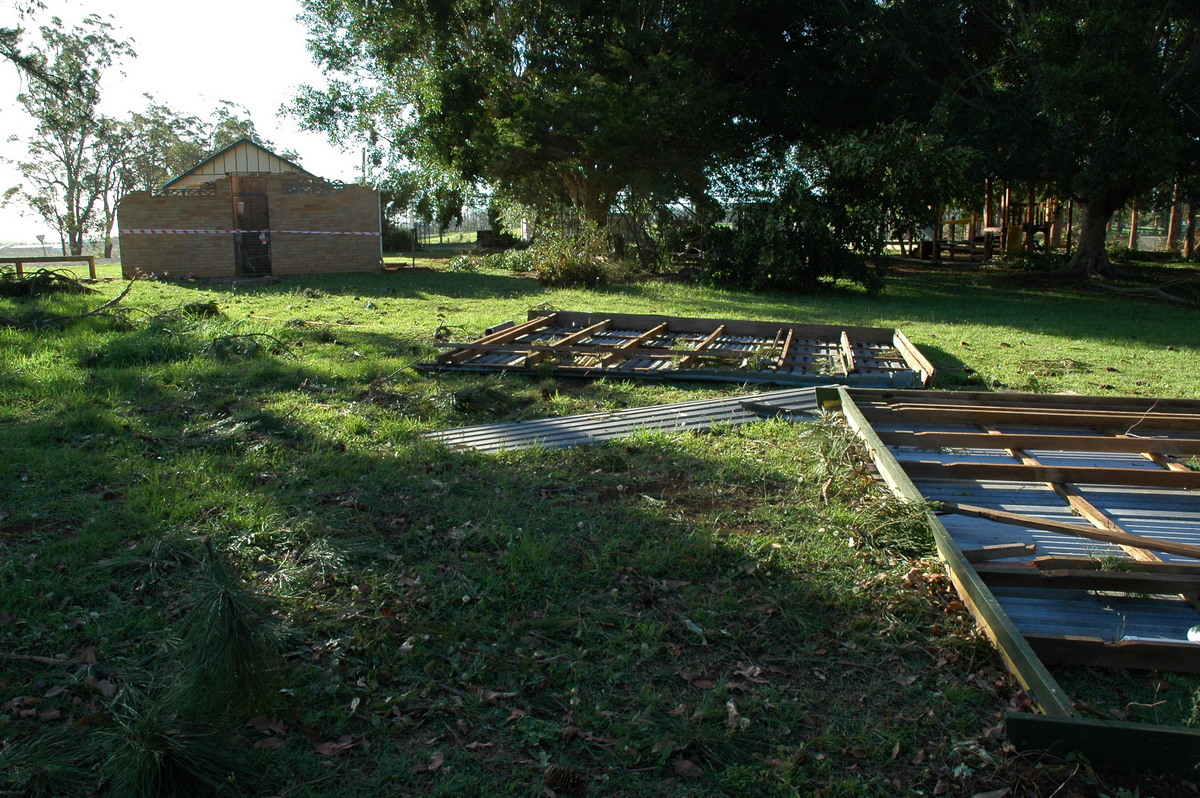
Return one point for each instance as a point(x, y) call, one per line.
point(618, 609)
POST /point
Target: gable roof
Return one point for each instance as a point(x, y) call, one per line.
point(243, 156)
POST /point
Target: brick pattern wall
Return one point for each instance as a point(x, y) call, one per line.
point(205, 255)
point(353, 209)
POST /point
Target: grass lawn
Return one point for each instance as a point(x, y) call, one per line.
point(227, 482)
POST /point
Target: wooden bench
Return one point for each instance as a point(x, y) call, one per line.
point(90, 260)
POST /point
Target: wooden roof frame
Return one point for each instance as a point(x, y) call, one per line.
point(1057, 725)
point(583, 344)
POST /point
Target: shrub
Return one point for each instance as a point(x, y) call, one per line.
point(1031, 261)
point(799, 241)
point(581, 258)
point(397, 239)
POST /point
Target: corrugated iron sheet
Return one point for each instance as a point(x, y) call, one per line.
point(587, 428)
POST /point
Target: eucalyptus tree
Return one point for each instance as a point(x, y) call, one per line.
point(10, 46)
point(63, 167)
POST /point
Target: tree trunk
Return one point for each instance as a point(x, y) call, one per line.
point(1133, 227)
point(1173, 223)
point(1090, 258)
point(1189, 235)
point(586, 195)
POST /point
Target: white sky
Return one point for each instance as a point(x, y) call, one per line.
point(190, 57)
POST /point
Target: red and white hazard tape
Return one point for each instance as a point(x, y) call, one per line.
point(324, 233)
point(151, 231)
point(180, 232)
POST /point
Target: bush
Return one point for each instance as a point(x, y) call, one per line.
point(799, 241)
point(512, 260)
point(580, 259)
point(1031, 261)
point(397, 239)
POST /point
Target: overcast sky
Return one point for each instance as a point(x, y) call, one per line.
point(190, 56)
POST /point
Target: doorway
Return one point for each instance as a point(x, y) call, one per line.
point(252, 246)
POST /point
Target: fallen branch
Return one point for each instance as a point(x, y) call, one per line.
point(54, 321)
point(40, 282)
point(1150, 291)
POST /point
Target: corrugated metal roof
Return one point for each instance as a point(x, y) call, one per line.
point(587, 428)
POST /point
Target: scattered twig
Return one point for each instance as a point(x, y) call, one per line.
point(1064, 784)
point(110, 303)
point(53, 321)
point(50, 662)
point(245, 344)
point(1134, 425)
point(300, 784)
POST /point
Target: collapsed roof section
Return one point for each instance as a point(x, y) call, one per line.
point(1070, 526)
point(671, 347)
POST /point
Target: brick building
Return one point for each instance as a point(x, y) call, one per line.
point(247, 212)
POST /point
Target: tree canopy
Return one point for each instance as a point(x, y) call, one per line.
point(589, 100)
point(79, 162)
point(66, 164)
point(1098, 98)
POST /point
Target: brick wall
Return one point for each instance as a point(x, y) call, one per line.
point(204, 255)
point(353, 209)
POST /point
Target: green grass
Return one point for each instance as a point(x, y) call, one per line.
point(666, 615)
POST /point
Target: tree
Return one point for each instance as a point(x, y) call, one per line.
point(10, 49)
point(165, 142)
point(584, 101)
point(1096, 97)
point(114, 146)
point(63, 167)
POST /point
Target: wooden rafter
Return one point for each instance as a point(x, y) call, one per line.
point(536, 357)
point(460, 353)
point(1078, 530)
point(1054, 443)
point(1029, 576)
point(726, 350)
point(691, 359)
point(1086, 475)
point(847, 352)
point(633, 345)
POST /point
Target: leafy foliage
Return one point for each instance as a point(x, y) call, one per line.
point(73, 146)
point(799, 241)
point(578, 103)
point(1093, 97)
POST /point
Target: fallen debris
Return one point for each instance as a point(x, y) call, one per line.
point(578, 430)
point(49, 320)
point(670, 347)
point(1072, 479)
point(42, 282)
